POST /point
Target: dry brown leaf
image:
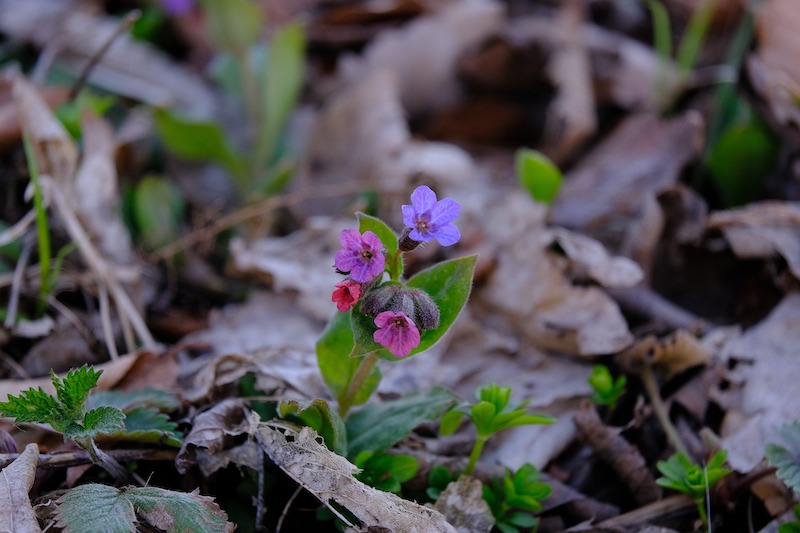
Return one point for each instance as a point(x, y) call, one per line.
point(768, 366)
point(56, 153)
point(589, 257)
point(423, 54)
point(463, 506)
point(329, 477)
point(211, 433)
point(129, 67)
point(762, 230)
point(669, 356)
point(16, 480)
point(610, 191)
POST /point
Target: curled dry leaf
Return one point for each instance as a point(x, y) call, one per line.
point(618, 453)
point(669, 356)
point(16, 480)
point(762, 230)
point(768, 367)
point(329, 477)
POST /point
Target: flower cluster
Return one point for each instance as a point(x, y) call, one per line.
point(400, 313)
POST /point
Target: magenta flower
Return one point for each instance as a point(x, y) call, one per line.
point(362, 255)
point(397, 332)
point(346, 295)
point(429, 219)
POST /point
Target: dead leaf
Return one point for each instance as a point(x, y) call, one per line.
point(463, 506)
point(16, 481)
point(669, 356)
point(609, 192)
point(329, 477)
point(212, 432)
point(762, 230)
point(128, 67)
point(424, 53)
point(768, 360)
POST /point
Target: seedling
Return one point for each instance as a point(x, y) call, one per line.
point(386, 471)
point(683, 475)
point(515, 498)
point(491, 414)
point(607, 390)
point(438, 479)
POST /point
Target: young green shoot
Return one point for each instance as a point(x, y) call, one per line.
point(680, 473)
point(515, 498)
point(607, 390)
point(491, 414)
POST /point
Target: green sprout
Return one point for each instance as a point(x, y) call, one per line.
point(385, 471)
point(607, 390)
point(515, 498)
point(491, 414)
point(680, 473)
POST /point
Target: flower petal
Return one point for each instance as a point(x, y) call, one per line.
point(409, 216)
point(447, 234)
point(418, 236)
point(444, 212)
point(345, 260)
point(350, 239)
point(423, 199)
point(362, 272)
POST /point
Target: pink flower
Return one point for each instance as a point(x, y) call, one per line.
point(397, 332)
point(430, 219)
point(346, 295)
point(362, 255)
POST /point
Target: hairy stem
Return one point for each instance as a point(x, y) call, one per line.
point(660, 410)
point(363, 371)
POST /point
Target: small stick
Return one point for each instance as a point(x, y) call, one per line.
point(81, 457)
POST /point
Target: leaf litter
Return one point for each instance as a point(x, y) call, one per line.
point(558, 289)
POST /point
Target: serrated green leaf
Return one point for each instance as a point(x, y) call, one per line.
point(104, 420)
point(159, 399)
point(538, 175)
point(379, 426)
point(335, 364)
point(95, 508)
point(73, 389)
point(146, 424)
point(33, 405)
point(447, 283)
point(786, 458)
point(200, 141)
point(318, 414)
point(178, 511)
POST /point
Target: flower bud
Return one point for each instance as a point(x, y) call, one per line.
point(426, 312)
point(414, 303)
point(406, 243)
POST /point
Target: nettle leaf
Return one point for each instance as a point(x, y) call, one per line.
point(32, 405)
point(104, 509)
point(318, 414)
point(379, 426)
point(538, 175)
point(787, 458)
point(126, 400)
point(448, 283)
point(145, 424)
point(336, 366)
point(74, 388)
point(104, 420)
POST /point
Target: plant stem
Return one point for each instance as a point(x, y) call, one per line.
point(363, 371)
point(41, 223)
point(474, 455)
point(651, 388)
point(394, 272)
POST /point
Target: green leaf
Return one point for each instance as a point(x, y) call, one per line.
point(439, 476)
point(379, 426)
point(146, 424)
point(448, 283)
point(74, 388)
point(336, 366)
point(506, 528)
point(157, 210)
point(379, 228)
point(526, 420)
point(160, 399)
point(32, 405)
point(482, 415)
point(318, 414)
point(103, 420)
point(404, 467)
point(538, 175)
point(179, 511)
point(741, 160)
point(200, 141)
point(95, 508)
point(280, 87)
point(450, 422)
point(521, 519)
point(787, 458)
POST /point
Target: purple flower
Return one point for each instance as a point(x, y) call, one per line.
point(177, 7)
point(362, 255)
point(397, 332)
point(429, 219)
point(346, 295)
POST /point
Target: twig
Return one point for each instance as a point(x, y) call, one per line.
point(81, 457)
point(105, 319)
point(126, 23)
point(660, 410)
point(17, 230)
point(286, 508)
point(259, 526)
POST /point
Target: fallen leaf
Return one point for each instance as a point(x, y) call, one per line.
point(329, 477)
point(212, 432)
point(767, 366)
point(762, 230)
point(16, 480)
point(463, 506)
